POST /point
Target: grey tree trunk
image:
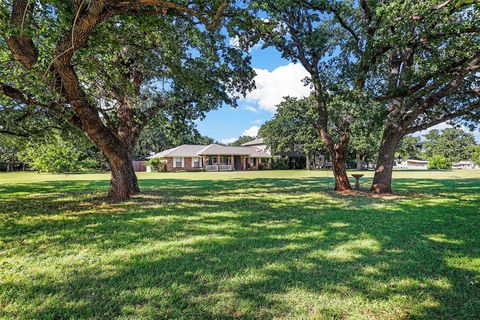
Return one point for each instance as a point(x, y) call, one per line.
point(382, 180)
point(359, 161)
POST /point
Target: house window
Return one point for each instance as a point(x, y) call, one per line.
point(196, 162)
point(178, 162)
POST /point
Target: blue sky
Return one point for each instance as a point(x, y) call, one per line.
point(276, 77)
point(226, 123)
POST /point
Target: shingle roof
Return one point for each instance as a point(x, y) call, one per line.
point(257, 153)
point(216, 149)
point(189, 150)
point(253, 142)
point(185, 150)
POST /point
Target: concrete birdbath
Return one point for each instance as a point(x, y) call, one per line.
point(357, 180)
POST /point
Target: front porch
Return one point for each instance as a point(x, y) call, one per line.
point(233, 162)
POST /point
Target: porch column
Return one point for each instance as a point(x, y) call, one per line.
point(204, 164)
point(218, 162)
point(231, 163)
point(244, 162)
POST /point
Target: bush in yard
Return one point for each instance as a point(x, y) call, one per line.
point(439, 163)
point(53, 155)
point(476, 155)
point(89, 163)
point(157, 165)
point(280, 164)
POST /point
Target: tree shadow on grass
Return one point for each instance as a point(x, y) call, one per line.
point(243, 248)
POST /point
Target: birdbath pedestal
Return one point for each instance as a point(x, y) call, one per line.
point(357, 180)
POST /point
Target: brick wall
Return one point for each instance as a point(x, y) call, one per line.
point(187, 165)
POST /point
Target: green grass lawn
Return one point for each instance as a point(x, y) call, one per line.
point(248, 245)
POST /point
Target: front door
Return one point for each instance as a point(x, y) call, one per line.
point(237, 162)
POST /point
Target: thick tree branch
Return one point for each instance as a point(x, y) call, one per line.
point(424, 83)
point(15, 94)
point(211, 21)
point(446, 117)
point(22, 45)
point(347, 27)
point(367, 13)
point(340, 20)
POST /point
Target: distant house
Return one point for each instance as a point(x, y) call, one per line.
point(464, 165)
point(412, 164)
point(215, 157)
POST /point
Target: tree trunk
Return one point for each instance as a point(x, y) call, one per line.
point(382, 180)
point(10, 165)
point(123, 182)
point(339, 169)
point(359, 161)
point(307, 160)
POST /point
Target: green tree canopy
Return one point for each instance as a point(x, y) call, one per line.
point(410, 147)
point(107, 67)
point(55, 153)
point(163, 133)
point(476, 155)
point(419, 59)
point(292, 129)
point(452, 143)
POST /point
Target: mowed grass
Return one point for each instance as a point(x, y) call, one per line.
point(247, 245)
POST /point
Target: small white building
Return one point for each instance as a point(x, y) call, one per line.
point(412, 164)
point(464, 165)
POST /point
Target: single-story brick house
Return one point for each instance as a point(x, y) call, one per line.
point(215, 157)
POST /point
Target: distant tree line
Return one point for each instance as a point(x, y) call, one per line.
point(70, 151)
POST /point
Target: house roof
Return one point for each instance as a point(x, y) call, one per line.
point(185, 150)
point(466, 162)
point(258, 153)
point(255, 142)
point(417, 161)
point(189, 150)
point(216, 149)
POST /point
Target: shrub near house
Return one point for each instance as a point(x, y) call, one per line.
point(157, 165)
point(440, 163)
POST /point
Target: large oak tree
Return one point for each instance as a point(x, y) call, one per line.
point(420, 59)
point(310, 33)
point(106, 67)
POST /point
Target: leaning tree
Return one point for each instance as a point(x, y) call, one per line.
point(306, 32)
point(107, 67)
point(421, 61)
point(429, 74)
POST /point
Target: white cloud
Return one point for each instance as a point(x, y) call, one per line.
point(252, 109)
point(234, 42)
point(257, 122)
point(273, 86)
point(228, 140)
point(251, 132)
point(258, 45)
